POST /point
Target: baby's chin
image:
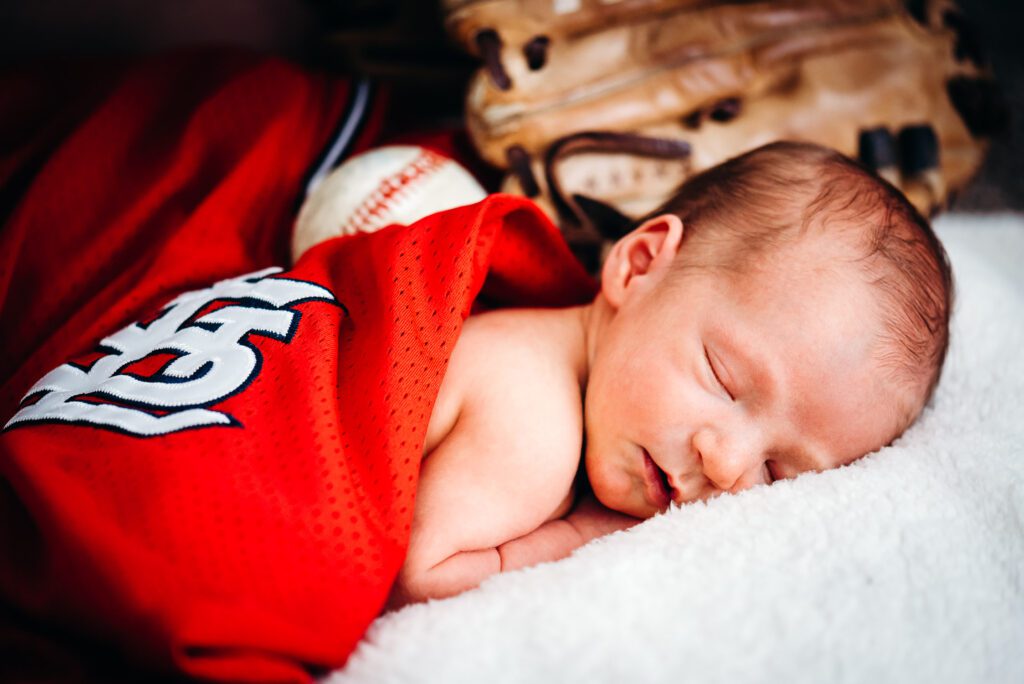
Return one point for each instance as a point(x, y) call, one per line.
point(642, 511)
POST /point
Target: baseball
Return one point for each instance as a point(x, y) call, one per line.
point(392, 184)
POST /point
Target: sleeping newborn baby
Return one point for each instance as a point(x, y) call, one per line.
point(785, 312)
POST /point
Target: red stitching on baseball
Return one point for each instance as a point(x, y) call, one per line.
point(393, 190)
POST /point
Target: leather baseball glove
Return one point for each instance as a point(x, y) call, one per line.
point(599, 109)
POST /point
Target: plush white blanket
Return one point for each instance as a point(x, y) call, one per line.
point(907, 566)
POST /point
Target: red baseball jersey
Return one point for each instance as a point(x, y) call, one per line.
point(209, 461)
point(229, 482)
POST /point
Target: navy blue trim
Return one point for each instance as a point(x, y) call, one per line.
point(232, 423)
point(347, 131)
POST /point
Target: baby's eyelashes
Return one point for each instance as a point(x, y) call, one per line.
point(717, 375)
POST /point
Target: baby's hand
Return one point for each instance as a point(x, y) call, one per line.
point(593, 520)
point(557, 539)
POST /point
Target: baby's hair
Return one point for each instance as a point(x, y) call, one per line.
point(778, 193)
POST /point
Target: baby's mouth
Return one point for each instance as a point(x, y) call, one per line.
point(657, 488)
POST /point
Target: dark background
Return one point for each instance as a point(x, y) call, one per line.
point(402, 41)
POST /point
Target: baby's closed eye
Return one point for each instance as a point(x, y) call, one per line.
point(716, 374)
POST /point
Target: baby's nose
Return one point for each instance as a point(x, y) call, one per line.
point(731, 462)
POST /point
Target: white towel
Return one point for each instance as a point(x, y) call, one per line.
point(907, 566)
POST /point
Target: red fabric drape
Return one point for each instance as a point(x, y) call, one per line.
point(260, 547)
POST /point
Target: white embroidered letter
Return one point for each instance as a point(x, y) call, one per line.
point(211, 359)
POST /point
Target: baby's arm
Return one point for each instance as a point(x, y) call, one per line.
point(552, 540)
point(479, 489)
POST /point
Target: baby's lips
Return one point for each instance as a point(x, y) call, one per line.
point(673, 488)
point(657, 493)
point(674, 493)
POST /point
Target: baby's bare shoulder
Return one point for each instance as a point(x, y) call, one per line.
point(513, 364)
point(509, 357)
point(507, 384)
point(518, 338)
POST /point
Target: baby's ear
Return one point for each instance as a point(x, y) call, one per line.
point(641, 257)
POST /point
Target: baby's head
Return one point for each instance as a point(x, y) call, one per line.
point(785, 311)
